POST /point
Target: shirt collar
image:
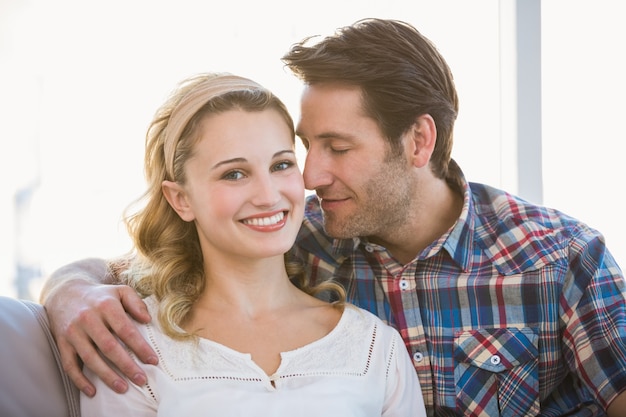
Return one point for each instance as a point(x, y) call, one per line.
point(343, 248)
point(458, 240)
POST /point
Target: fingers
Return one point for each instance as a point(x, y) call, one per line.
point(69, 360)
point(74, 344)
point(133, 304)
point(87, 326)
point(87, 333)
point(127, 331)
point(99, 366)
point(98, 329)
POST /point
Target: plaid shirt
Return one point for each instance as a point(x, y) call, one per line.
point(517, 310)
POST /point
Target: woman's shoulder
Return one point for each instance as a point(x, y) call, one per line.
point(361, 315)
point(361, 320)
point(151, 331)
point(152, 304)
point(177, 356)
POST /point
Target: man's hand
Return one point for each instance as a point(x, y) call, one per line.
point(85, 318)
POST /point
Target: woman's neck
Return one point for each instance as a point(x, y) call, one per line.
point(248, 287)
point(253, 307)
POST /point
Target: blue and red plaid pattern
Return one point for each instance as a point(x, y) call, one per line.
point(516, 310)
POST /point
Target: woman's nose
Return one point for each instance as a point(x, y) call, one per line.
point(266, 191)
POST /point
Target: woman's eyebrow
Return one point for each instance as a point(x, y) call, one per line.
point(243, 160)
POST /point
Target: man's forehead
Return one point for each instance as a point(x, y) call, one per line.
point(336, 88)
point(329, 104)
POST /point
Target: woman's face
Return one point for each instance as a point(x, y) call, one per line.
point(244, 190)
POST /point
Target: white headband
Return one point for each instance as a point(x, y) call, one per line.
point(193, 101)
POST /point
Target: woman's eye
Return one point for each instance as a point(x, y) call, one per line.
point(283, 165)
point(233, 175)
point(339, 151)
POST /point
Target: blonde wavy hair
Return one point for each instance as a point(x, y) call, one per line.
point(167, 261)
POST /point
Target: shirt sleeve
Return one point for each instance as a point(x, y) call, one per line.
point(403, 395)
point(595, 317)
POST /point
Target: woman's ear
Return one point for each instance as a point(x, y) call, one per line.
point(175, 195)
point(422, 139)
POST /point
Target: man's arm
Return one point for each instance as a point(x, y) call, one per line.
point(87, 309)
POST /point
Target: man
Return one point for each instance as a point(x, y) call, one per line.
point(506, 308)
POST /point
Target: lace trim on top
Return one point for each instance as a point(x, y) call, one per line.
point(346, 350)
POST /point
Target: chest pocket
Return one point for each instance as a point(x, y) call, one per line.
point(496, 372)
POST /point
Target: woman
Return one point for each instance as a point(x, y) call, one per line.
point(238, 330)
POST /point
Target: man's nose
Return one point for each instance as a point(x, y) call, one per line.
point(316, 171)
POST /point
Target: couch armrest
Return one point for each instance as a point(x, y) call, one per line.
point(32, 382)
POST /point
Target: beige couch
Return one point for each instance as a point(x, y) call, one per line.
point(32, 382)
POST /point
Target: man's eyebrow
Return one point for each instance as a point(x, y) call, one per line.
point(326, 135)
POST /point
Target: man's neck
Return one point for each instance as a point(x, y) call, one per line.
point(437, 210)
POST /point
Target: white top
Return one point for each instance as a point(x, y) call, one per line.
point(361, 368)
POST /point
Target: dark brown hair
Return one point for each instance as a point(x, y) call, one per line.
point(400, 72)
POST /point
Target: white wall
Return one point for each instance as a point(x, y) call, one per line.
point(584, 140)
point(80, 79)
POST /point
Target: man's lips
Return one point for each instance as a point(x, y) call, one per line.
point(332, 203)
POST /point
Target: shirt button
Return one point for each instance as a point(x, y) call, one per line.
point(404, 284)
point(418, 357)
point(369, 248)
point(495, 360)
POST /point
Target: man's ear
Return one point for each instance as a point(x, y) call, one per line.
point(422, 137)
point(175, 195)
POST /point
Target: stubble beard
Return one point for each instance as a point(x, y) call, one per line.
point(382, 207)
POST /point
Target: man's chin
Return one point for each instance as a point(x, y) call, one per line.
point(336, 226)
point(337, 232)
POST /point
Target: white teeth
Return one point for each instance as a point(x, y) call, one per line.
point(265, 221)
